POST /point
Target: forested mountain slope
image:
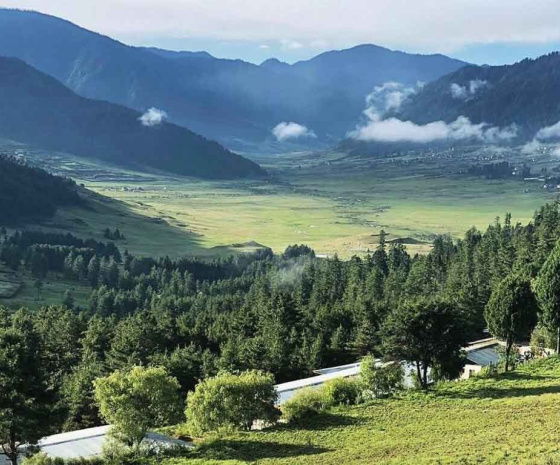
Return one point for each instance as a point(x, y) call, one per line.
point(38, 110)
point(229, 100)
point(526, 94)
point(27, 192)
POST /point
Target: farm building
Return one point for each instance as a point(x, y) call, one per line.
point(480, 354)
point(89, 443)
point(287, 390)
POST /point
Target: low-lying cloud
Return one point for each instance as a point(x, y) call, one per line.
point(153, 117)
point(387, 97)
point(467, 91)
point(285, 131)
point(396, 130)
point(549, 132)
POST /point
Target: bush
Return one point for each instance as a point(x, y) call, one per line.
point(135, 401)
point(542, 340)
point(232, 401)
point(341, 391)
point(43, 459)
point(304, 404)
point(380, 380)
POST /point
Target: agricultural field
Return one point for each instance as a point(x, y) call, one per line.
point(334, 202)
point(513, 418)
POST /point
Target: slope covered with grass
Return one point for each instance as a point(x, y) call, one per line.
point(514, 418)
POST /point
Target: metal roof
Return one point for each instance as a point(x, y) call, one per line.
point(484, 356)
point(89, 442)
point(326, 371)
point(287, 390)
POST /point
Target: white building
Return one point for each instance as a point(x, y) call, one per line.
point(88, 443)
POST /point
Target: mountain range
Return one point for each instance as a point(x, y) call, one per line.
point(37, 109)
point(235, 102)
point(526, 94)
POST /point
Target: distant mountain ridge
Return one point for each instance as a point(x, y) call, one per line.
point(236, 102)
point(37, 109)
point(526, 94)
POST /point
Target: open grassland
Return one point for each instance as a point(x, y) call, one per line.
point(338, 207)
point(513, 419)
point(330, 201)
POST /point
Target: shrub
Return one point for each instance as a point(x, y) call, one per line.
point(304, 404)
point(341, 391)
point(135, 401)
point(380, 380)
point(542, 340)
point(232, 401)
point(43, 459)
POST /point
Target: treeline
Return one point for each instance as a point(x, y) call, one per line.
point(27, 192)
point(501, 170)
point(285, 314)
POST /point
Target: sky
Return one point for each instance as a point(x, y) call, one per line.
point(478, 31)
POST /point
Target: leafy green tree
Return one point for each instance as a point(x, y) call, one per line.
point(229, 400)
point(381, 379)
point(547, 291)
point(135, 401)
point(511, 312)
point(429, 333)
point(25, 401)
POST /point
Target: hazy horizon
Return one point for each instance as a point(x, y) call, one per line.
point(500, 33)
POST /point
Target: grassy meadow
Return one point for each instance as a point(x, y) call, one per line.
point(512, 419)
point(332, 201)
point(338, 207)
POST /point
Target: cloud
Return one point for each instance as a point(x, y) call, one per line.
point(153, 117)
point(264, 47)
point(531, 147)
point(449, 26)
point(387, 97)
point(290, 44)
point(549, 132)
point(285, 131)
point(395, 130)
point(468, 91)
point(459, 92)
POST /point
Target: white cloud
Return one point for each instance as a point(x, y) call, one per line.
point(549, 132)
point(290, 44)
point(468, 91)
point(531, 147)
point(387, 97)
point(395, 130)
point(264, 47)
point(153, 117)
point(459, 92)
point(421, 25)
point(285, 131)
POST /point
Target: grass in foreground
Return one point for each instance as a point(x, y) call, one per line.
point(512, 419)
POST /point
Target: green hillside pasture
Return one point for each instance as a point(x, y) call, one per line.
point(514, 419)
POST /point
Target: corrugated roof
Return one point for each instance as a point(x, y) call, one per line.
point(325, 371)
point(89, 442)
point(484, 356)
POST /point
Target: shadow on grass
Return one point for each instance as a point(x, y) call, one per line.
point(521, 388)
point(323, 422)
point(250, 451)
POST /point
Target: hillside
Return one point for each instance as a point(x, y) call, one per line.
point(510, 419)
point(27, 192)
point(526, 93)
point(36, 109)
point(230, 100)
